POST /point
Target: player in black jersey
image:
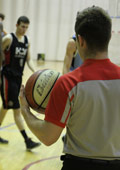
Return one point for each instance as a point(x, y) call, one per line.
point(17, 53)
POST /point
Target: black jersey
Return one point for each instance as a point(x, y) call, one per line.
point(15, 57)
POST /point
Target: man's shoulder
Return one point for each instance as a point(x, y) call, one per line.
point(71, 40)
point(71, 44)
point(71, 78)
point(7, 37)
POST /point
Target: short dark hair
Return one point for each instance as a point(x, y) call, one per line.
point(94, 25)
point(2, 16)
point(23, 19)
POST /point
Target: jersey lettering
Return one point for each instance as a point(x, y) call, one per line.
point(20, 52)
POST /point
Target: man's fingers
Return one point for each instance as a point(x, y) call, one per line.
point(22, 91)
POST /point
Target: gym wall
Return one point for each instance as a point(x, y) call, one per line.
point(52, 23)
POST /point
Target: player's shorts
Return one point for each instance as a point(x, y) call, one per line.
point(10, 88)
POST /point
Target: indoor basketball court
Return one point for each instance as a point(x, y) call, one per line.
point(51, 26)
point(14, 155)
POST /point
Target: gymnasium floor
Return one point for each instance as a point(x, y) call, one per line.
point(14, 155)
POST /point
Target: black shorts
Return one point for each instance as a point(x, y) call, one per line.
point(76, 163)
point(10, 88)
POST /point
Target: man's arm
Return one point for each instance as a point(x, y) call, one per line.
point(29, 61)
point(70, 50)
point(6, 41)
point(47, 132)
point(4, 44)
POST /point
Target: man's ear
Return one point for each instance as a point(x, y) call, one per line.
point(81, 40)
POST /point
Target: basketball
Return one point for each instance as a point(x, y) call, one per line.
point(38, 88)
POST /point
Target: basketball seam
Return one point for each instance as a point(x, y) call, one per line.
point(28, 102)
point(48, 92)
point(34, 86)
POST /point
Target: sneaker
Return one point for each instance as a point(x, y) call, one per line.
point(3, 141)
point(31, 144)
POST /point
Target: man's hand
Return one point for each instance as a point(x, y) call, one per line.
point(23, 101)
point(24, 104)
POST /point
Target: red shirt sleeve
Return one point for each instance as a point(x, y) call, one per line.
point(57, 103)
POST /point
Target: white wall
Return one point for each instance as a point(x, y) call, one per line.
point(52, 21)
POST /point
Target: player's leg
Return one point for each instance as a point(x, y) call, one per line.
point(3, 110)
point(18, 119)
point(19, 122)
point(2, 116)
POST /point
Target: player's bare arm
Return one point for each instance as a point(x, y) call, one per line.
point(70, 50)
point(29, 61)
point(48, 133)
point(6, 41)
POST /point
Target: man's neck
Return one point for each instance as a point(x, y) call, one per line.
point(19, 37)
point(98, 56)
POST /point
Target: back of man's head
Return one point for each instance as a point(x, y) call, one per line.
point(94, 25)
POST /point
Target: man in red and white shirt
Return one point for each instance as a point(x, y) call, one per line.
point(86, 101)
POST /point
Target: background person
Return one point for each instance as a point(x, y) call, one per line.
point(72, 58)
point(1, 51)
point(16, 47)
point(2, 17)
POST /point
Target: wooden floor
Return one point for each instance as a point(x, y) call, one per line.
point(14, 155)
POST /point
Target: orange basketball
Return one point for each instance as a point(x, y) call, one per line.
point(38, 88)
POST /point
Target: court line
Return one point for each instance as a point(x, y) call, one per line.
point(32, 163)
point(38, 161)
point(12, 124)
point(4, 127)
